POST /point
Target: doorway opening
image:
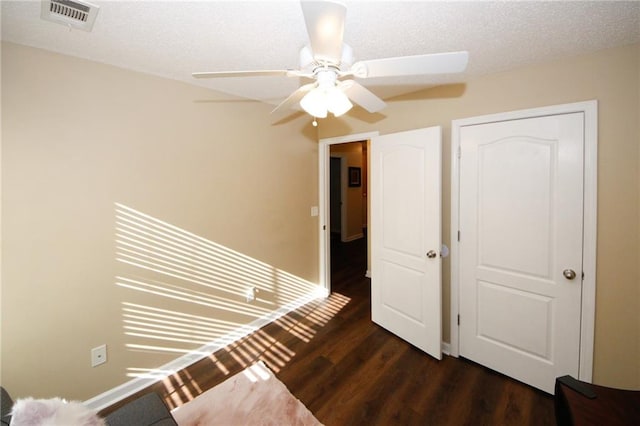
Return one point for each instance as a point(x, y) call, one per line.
point(348, 217)
point(344, 245)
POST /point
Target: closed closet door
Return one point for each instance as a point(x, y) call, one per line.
point(521, 223)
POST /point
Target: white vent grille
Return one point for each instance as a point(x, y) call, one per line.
point(74, 14)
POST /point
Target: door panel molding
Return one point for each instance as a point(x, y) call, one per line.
point(589, 109)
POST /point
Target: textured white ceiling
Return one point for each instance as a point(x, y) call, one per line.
point(175, 38)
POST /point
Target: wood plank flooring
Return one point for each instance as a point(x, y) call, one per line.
point(349, 371)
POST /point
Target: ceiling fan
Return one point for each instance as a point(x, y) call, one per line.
point(328, 62)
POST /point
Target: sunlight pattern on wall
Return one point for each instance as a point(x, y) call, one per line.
point(152, 244)
point(185, 295)
point(154, 323)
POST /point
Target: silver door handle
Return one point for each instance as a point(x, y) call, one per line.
point(431, 254)
point(569, 274)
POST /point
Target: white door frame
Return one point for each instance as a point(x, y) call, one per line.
point(590, 111)
point(324, 228)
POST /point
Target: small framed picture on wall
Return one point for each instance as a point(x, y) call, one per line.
point(354, 176)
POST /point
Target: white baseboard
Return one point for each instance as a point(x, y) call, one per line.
point(446, 348)
point(353, 237)
point(118, 393)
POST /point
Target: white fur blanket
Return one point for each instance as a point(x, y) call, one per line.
point(52, 412)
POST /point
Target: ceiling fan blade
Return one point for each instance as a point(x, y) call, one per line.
point(258, 73)
point(325, 26)
point(437, 63)
point(362, 96)
point(294, 99)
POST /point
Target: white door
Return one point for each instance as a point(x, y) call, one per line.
point(521, 224)
point(406, 236)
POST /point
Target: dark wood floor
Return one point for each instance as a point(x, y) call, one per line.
point(349, 371)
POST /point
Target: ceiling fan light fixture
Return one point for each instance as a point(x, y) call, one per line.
point(337, 102)
point(328, 62)
point(315, 103)
point(319, 101)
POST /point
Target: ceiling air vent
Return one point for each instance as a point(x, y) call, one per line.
point(73, 14)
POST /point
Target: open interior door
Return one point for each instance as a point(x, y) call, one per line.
point(406, 290)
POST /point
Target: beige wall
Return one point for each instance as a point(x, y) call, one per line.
point(79, 137)
point(613, 78)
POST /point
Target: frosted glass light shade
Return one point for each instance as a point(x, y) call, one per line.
point(337, 102)
point(315, 103)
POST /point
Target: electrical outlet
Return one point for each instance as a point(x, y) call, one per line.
point(98, 355)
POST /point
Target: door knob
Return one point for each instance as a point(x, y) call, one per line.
point(431, 254)
point(569, 274)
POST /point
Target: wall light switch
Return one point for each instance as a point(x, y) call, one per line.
point(314, 211)
point(98, 355)
point(251, 294)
